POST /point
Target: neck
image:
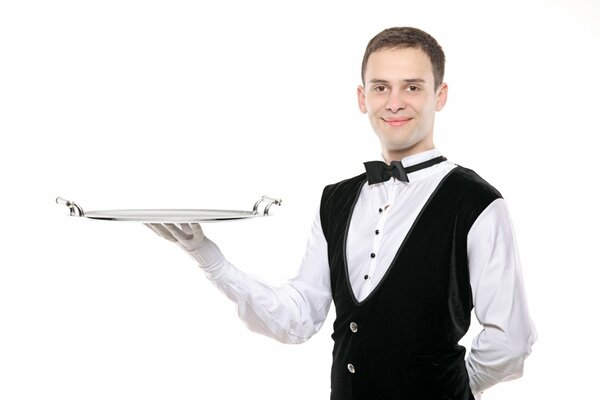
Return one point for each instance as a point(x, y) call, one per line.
point(390, 155)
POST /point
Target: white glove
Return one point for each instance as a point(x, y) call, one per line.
point(191, 238)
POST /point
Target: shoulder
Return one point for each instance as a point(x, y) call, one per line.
point(340, 197)
point(468, 194)
point(469, 184)
point(345, 185)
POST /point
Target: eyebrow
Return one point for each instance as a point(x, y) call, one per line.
point(413, 80)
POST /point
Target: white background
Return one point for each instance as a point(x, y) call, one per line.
point(143, 104)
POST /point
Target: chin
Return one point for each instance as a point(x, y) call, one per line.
point(397, 142)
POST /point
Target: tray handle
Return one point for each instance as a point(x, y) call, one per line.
point(268, 201)
point(74, 209)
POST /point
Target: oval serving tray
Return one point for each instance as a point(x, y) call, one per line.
point(261, 209)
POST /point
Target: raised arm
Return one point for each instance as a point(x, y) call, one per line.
point(290, 313)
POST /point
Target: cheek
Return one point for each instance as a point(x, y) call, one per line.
point(373, 104)
point(427, 107)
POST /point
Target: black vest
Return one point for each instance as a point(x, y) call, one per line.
point(401, 342)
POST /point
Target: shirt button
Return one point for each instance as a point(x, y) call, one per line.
point(353, 327)
point(377, 232)
point(351, 368)
point(366, 277)
point(372, 255)
point(380, 210)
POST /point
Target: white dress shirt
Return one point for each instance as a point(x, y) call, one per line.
point(295, 311)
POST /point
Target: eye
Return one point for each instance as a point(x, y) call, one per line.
point(412, 88)
point(379, 88)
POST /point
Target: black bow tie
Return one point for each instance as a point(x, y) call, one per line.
point(378, 171)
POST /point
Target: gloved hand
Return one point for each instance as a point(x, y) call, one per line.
point(190, 237)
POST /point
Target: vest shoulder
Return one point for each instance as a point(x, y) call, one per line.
point(470, 182)
point(340, 196)
point(346, 183)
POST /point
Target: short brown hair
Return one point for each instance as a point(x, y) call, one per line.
point(407, 37)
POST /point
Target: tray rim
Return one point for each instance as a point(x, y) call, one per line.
point(167, 217)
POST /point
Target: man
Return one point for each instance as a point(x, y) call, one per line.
point(405, 251)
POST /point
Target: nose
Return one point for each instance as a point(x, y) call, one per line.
point(395, 102)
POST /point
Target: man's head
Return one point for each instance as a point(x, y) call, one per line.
point(406, 37)
point(402, 89)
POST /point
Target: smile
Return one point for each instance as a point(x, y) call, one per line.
point(396, 121)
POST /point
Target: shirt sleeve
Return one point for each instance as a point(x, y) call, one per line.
point(499, 351)
point(291, 313)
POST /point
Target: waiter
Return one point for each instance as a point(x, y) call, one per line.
point(405, 250)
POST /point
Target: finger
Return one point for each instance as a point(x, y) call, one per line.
point(161, 231)
point(186, 228)
point(197, 230)
point(177, 233)
point(152, 228)
point(192, 229)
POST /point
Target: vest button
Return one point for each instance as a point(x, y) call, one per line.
point(351, 368)
point(353, 327)
point(372, 255)
point(377, 231)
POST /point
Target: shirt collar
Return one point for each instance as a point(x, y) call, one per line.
point(423, 173)
point(420, 157)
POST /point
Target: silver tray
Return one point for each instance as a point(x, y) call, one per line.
point(261, 209)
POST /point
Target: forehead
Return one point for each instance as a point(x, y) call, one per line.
point(393, 64)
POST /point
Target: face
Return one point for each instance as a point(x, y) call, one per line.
point(401, 100)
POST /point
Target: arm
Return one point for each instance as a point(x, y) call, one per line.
point(291, 313)
point(499, 351)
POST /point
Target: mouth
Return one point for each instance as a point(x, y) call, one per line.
point(396, 121)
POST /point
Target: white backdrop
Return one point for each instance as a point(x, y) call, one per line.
point(183, 104)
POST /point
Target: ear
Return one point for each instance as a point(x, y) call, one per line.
point(360, 94)
point(442, 96)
